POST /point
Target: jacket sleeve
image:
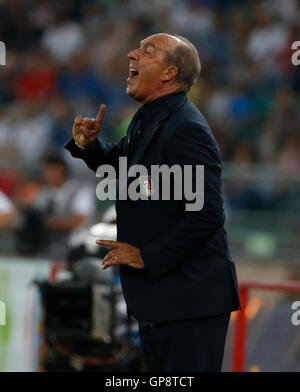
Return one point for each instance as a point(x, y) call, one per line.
point(99, 153)
point(189, 144)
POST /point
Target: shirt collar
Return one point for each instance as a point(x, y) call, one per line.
point(161, 105)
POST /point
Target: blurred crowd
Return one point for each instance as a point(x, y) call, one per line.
point(67, 57)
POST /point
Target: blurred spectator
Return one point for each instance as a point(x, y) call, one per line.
point(5, 133)
point(289, 157)
point(266, 39)
point(62, 115)
point(287, 10)
point(80, 80)
point(63, 39)
point(30, 131)
point(193, 18)
point(283, 120)
point(38, 79)
point(6, 211)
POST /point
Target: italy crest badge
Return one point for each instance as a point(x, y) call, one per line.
point(146, 186)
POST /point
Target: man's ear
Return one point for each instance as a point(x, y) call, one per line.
point(169, 73)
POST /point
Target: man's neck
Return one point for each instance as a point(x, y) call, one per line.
point(161, 93)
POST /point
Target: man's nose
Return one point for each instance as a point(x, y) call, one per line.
point(133, 54)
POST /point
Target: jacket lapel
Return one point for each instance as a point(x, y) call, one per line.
point(129, 135)
point(151, 131)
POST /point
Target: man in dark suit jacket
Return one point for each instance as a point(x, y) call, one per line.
point(177, 274)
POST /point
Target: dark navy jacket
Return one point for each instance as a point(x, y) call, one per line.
point(189, 271)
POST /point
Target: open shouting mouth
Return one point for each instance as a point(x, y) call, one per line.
point(133, 73)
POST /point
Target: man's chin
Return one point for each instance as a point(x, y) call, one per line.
point(134, 93)
point(130, 92)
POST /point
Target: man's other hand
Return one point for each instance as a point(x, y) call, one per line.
point(122, 253)
point(86, 130)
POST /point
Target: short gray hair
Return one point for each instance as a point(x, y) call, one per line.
point(186, 58)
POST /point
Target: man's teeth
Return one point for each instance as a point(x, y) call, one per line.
point(133, 72)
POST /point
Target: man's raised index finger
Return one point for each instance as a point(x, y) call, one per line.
point(111, 244)
point(101, 114)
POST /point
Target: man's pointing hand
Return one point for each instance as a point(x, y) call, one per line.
point(122, 253)
point(86, 130)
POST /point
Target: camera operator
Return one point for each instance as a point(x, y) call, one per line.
point(63, 206)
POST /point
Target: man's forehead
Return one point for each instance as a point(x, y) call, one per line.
point(162, 41)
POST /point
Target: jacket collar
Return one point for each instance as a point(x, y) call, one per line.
point(161, 106)
point(155, 112)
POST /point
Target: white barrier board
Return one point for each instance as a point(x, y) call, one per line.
point(20, 313)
